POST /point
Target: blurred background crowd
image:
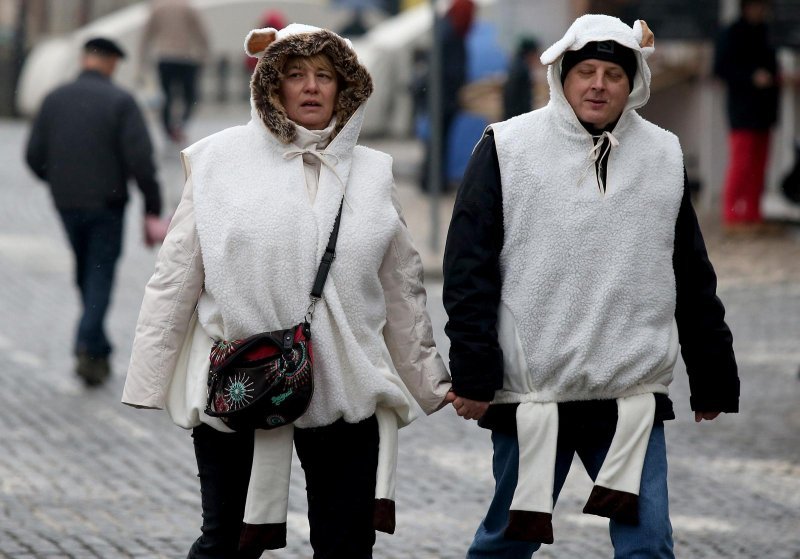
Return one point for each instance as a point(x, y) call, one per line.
point(40, 41)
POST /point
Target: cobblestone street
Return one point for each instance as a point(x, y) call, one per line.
point(83, 476)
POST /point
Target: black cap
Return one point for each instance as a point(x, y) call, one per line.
point(610, 51)
point(103, 46)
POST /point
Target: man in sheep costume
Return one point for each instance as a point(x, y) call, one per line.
point(575, 270)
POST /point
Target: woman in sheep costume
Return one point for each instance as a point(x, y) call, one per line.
point(240, 258)
point(575, 271)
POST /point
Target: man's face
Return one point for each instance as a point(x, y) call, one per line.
point(597, 91)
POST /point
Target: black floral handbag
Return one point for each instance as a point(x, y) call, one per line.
point(267, 380)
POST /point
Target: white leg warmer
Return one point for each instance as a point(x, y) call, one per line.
point(616, 491)
point(530, 517)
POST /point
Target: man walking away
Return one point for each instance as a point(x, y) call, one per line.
point(87, 139)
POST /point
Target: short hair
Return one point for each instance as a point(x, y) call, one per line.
point(103, 47)
point(319, 59)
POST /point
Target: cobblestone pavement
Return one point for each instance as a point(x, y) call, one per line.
point(82, 476)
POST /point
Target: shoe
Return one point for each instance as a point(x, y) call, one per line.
point(94, 370)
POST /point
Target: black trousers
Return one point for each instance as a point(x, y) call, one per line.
point(178, 78)
point(340, 463)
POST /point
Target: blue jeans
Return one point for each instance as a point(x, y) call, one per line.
point(651, 539)
point(96, 240)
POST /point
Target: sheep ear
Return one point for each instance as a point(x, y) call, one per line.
point(258, 40)
point(646, 38)
point(558, 48)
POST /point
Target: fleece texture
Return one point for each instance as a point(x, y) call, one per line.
point(587, 308)
point(600, 270)
point(353, 368)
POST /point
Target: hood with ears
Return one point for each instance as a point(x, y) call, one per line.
point(595, 27)
point(274, 47)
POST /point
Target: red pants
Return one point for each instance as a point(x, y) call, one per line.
point(744, 183)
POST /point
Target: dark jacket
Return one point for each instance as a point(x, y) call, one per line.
point(87, 140)
point(740, 50)
point(518, 88)
point(472, 286)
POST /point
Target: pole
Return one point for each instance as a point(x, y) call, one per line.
point(435, 112)
point(18, 49)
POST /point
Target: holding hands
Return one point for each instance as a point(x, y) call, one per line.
point(466, 408)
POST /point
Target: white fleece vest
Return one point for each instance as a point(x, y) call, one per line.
point(262, 241)
point(583, 270)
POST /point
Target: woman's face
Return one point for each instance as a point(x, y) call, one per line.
point(308, 91)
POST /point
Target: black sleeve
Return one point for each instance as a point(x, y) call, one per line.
point(706, 341)
point(472, 277)
point(36, 149)
point(137, 151)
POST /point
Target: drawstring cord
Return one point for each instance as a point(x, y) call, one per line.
point(322, 156)
point(598, 152)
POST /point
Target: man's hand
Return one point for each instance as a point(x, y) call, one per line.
point(155, 229)
point(707, 415)
point(763, 78)
point(466, 408)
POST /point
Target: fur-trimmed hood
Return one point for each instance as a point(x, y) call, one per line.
point(273, 47)
point(596, 27)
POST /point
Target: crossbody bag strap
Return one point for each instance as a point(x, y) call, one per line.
point(325, 265)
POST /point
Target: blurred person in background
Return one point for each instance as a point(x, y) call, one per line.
point(258, 207)
point(746, 61)
point(574, 272)
point(518, 87)
point(87, 139)
point(270, 18)
point(455, 26)
point(175, 36)
point(356, 26)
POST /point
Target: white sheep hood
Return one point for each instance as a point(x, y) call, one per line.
point(594, 27)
